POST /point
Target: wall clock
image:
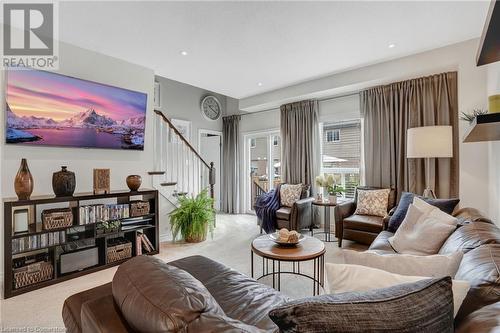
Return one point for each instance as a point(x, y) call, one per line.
point(211, 108)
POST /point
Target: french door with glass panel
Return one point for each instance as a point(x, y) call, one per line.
point(263, 164)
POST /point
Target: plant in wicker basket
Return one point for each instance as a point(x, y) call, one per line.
point(193, 218)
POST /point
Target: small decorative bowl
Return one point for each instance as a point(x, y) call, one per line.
point(275, 238)
point(134, 182)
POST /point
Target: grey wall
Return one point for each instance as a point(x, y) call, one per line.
point(178, 101)
point(182, 101)
point(475, 169)
point(493, 84)
point(43, 161)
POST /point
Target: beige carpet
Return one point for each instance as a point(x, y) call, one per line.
point(41, 309)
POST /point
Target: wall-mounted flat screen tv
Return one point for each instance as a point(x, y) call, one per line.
point(45, 108)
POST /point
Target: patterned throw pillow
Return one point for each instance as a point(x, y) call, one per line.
point(373, 202)
point(289, 194)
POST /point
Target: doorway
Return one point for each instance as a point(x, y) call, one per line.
point(262, 164)
point(210, 149)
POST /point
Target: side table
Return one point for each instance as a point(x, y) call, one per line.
point(326, 230)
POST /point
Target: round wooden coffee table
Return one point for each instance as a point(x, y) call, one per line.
point(308, 249)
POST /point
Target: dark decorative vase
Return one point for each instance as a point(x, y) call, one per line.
point(23, 183)
point(134, 182)
point(63, 182)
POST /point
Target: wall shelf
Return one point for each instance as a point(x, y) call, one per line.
point(53, 251)
point(485, 127)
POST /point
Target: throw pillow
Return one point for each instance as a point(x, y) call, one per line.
point(349, 278)
point(424, 230)
point(400, 212)
point(422, 306)
point(289, 194)
point(446, 205)
point(423, 206)
point(406, 264)
point(372, 202)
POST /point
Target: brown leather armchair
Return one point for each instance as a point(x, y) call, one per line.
point(360, 228)
point(297, 217)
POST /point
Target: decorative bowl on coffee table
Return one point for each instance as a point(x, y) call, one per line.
point(275, 238)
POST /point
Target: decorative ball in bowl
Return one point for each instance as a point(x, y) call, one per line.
point(134, 182)
point(284, 237)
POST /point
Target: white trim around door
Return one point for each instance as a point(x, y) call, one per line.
point(219, 165)
point(246, 163)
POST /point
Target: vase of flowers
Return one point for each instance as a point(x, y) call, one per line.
point(323, 181)
point(329, 187)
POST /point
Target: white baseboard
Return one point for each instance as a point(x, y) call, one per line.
point(2, 281)
point(165, 238)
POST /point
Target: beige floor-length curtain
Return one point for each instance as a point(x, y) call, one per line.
point(388, 111)
point(300, 146)
point(230, 192)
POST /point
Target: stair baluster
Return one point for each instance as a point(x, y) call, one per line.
point(185, 170)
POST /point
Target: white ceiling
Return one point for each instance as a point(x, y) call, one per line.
point(232, 46)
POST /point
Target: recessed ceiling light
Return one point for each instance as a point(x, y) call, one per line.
point(391, 46)
point(259, 84)
point(184, 53)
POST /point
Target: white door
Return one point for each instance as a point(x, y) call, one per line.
point(210, 146)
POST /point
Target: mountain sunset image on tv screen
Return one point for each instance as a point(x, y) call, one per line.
point(45, 108)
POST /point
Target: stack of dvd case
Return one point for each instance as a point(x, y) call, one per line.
point(100, 213)
point(35, 242)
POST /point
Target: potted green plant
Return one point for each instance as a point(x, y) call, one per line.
point(193, 218)
point(107, 227)
point(471, 116)
point(334, 191)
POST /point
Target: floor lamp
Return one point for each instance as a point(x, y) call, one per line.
point(429, 142)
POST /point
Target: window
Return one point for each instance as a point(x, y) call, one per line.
point(333, 135)
point(342, 160)
point(253, 143)
point(276, 141)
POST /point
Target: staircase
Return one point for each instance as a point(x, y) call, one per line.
point(180, 168)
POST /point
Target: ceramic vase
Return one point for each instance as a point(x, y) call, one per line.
point(63, 182)
point(23, 183)
point(325, 193)
point(494, 103)
point(332, 198)
point(134, 182)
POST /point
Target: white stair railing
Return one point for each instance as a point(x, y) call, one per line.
point(180, 170)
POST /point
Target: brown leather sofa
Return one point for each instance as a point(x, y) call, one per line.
point(220, 299)
point(360, 228)
point(297, 217)
point(479, 240)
